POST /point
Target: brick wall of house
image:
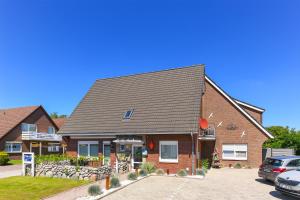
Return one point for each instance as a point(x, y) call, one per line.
point(255, 114)
point(223, 111)
point(184, 151)
point(38, 117)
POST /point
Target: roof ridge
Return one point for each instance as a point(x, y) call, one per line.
point(152, 72)
point(14, 108)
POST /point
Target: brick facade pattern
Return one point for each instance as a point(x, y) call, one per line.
point(221, 110)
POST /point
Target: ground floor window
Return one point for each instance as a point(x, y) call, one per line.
point(88, 148)
point(13, 147)
point(168, 151)
point(53, 147)
point(234, 151)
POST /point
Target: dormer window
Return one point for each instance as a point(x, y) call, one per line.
point(128, 114)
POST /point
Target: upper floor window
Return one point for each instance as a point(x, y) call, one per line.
point(51, 130)
point(29, 128)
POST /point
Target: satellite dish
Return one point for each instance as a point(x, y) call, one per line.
point(203, 123)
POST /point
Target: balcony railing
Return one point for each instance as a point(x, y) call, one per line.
point(41, 136)
point(208, 134)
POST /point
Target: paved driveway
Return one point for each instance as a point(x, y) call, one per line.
point(223, 184)
point(10, 170)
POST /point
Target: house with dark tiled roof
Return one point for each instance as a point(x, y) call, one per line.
point(172, 118)
point(28, 129)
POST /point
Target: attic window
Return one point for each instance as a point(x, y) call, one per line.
point(128, 114)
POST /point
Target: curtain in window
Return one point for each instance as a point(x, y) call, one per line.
point(94, 150)
point(168, 151)
point(83, 150)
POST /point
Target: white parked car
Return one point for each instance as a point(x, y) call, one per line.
point(289, 183)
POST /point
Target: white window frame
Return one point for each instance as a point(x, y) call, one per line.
point(11, 143)
point(235, 149)
point(88, 143)
point(28, 128)
point(53, 147)
point(168, 143)
point(54, 132)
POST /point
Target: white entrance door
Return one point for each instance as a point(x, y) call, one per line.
point(137, 157)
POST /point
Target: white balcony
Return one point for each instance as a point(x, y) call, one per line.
point(40, 136)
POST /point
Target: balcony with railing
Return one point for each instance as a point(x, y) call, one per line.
point(208, 134)
point(41, 136)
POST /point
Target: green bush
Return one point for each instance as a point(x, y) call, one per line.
point(143, 172)
point(148, 167)
point(50, 158)
point(182, 172)
point(201, 172)
point(114, 182)
point(237, 166)
point(205, 164)
point(160, 172)
point(4, 158)
point(131, 176)
point(94, 190)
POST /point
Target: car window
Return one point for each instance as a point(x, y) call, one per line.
point(274, 162)
point(294, 163)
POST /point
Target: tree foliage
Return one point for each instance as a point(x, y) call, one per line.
point(54, 115)
point(284, 137)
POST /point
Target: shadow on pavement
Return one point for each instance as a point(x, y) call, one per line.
point(278, 195)
point(263, 181)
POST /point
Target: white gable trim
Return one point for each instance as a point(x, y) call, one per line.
point(239, 108)
point(249, 106)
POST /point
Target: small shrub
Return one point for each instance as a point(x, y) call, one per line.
point(94, 190)
point(114, 182)
point(182, 172)
point(200, 172)
point(143, 172)
point(4, 158)
point(50, 158)
point(205, 164)
point(160, 172)
point(237, 166)
point(131, 176)
point(148, 167)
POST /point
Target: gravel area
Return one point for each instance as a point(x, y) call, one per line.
point(219, 184)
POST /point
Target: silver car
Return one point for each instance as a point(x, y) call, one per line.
point(273, 166)
point(289, 183)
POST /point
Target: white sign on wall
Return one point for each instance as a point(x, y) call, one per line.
point(28, 161)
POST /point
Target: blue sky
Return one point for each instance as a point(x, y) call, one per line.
point(51, 51)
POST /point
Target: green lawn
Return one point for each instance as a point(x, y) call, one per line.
point(15, 162)
point(25, 187)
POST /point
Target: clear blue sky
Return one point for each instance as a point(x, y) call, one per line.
point(51, 51)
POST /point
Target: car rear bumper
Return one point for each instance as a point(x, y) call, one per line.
point(267, 176)
point(288, 192)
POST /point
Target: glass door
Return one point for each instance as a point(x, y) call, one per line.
point(106, 153)
point(137, 157)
